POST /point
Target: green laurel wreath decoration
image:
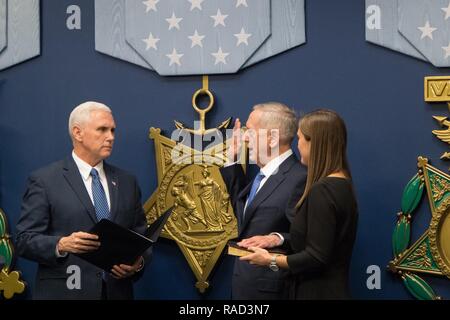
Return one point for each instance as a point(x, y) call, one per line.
point(6, 252)
point(401, 237)
point(10, 282)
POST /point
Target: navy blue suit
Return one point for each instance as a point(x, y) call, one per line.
point(56, 204)
point(271, 210)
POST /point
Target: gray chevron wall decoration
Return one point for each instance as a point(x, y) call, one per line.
point(110, 32)
point(418, 28)
point(204, 37)
point(2, 25)
point(187, 37)
point(382, 27)
point(21, 20)
point(288, 29)
point(426, 25)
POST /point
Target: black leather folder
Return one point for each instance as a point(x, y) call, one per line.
point(119, 245)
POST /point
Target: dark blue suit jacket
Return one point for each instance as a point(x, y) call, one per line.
point(56, 204)
point(270, 211)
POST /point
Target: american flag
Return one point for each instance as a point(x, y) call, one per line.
point(181, 37)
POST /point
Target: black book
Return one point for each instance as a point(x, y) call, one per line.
point(119, 245)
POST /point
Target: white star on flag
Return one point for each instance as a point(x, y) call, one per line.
point(447, 51)
point(174, 57)
point(241, 2)
point(173, 21)
point(151, 5)
point(427, 30)
point(447, 11)
point(219, 18)
point(151, 42)
point(242, 37)
point(220, 56)
point(196, 4)
point(196, 39)
point(213, 36)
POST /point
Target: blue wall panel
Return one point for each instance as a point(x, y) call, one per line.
point(378, 92)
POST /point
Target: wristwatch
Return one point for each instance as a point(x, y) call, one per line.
point(273, 263)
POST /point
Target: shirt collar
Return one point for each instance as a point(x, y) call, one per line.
point(272, 166)
point(85, 168)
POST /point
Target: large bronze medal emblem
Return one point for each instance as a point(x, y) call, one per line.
point(430, 254)
point(189, 182)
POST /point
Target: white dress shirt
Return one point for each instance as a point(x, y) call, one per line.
point(85, 171)
point(271, 168)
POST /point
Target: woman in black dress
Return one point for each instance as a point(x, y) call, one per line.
point(324, 228)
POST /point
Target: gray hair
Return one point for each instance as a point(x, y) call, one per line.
point(276, 115)
point(82, 113)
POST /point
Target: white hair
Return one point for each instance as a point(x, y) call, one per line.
point(82, 113)
point(276, 115)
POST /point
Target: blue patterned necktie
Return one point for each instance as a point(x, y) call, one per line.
point(98, 193)
point(255, 185)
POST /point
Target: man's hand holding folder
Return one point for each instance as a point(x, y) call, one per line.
point(83, 242)
point(78, 242)
point(122, 271)
point(113, 248)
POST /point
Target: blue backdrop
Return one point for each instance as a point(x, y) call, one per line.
point(378, 92)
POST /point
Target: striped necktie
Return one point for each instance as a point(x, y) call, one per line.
point(255, 186)
point(98, 193)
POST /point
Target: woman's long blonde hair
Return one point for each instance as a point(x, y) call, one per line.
point(328, 135)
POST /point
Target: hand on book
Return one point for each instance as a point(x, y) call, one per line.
point(261, 257)
point(123, 271)
point(268, 241)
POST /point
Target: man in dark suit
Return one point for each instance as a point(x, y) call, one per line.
point(264, 206)
point(66, 199)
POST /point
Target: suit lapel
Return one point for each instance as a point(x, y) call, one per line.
point(73, 177)
point(266, 190)
point(113, 185)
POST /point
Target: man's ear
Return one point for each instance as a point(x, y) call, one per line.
point(274, 138)
point(77, 133)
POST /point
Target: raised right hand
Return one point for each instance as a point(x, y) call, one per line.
point(78, 242)
point(236, 142)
